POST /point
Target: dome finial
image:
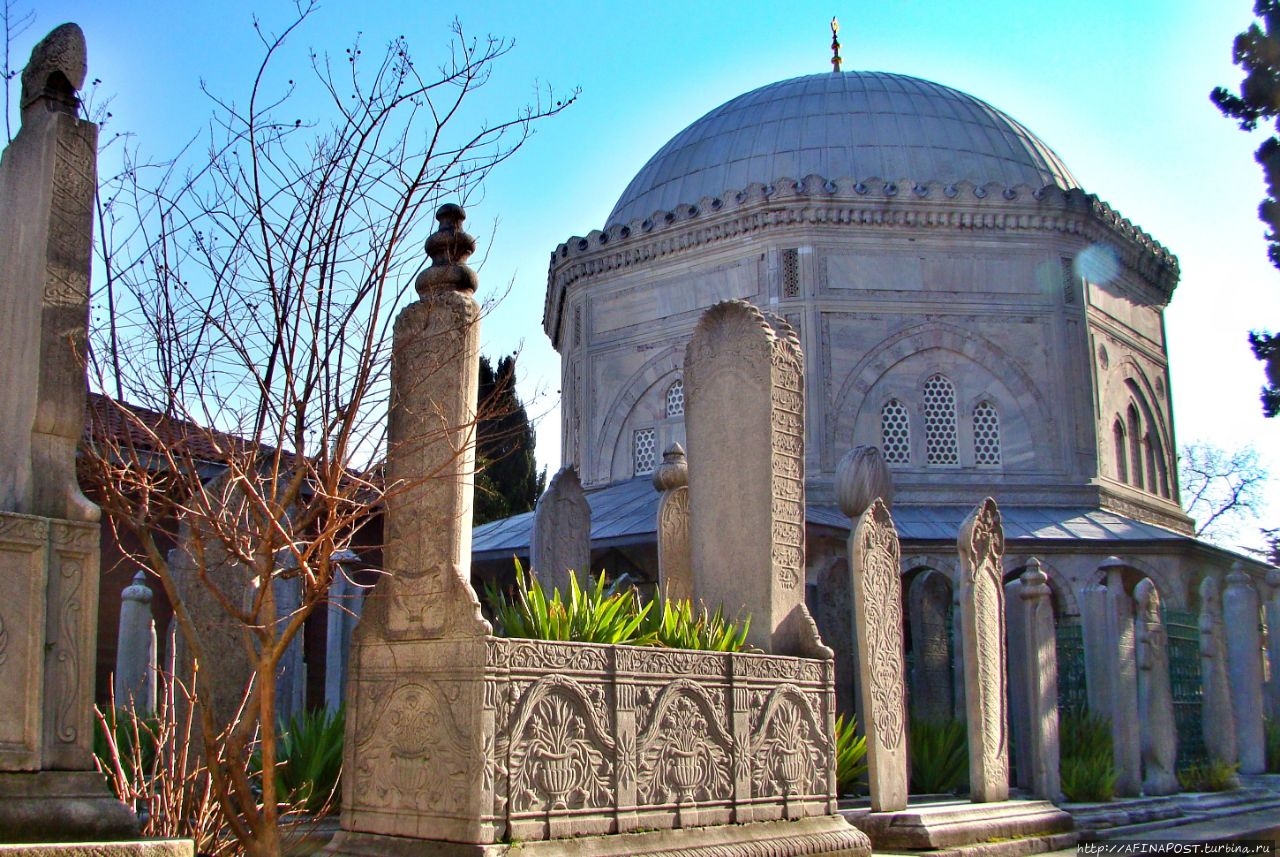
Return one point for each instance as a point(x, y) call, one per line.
point(835, 46)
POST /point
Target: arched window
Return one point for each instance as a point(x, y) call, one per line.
point(986, 435)
point(675, 398)
point(895, 433)
point(940, 421)
point(644, 451)
point(1135, 447)
point(1121, 450)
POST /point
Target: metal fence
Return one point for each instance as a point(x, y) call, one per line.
point(1072, 695)
point(1183, 631)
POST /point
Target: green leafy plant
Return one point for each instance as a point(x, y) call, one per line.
point(1212, 776)
point(851, 755)
point(309, 760)
point(1087, 763)
point(611, 614)
point(939, 753)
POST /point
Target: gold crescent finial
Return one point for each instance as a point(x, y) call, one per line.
point(835, 45)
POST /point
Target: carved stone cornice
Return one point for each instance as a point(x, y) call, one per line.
point(873, 203)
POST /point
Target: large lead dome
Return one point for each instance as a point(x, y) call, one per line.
point(859, 125)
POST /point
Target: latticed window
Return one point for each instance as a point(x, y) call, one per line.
point(675, 398)
point(986, 435)
point(790, 273)
point(895, 433)
point(644, 450)
point(940, 421)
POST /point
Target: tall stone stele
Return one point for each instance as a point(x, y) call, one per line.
point(981, 548)
point(1241, 617)
point(1039, 681)
point(744, 422)
point(562, 532)
point(1155, 696)
point(49, 551)
point(875, 561)
point(1216, 718)
point(675, 558)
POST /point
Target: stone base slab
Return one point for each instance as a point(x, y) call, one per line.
point(827, 836)
point(150, 848)
point(954, 824)
point(62, 806)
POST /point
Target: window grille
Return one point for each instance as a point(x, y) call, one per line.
point(791, 273)
point(644, 450)
point(940, 421)
point(895, 433)
point(675, 398)
point(986, 435)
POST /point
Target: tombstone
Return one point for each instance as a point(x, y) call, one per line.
point(291, 673)
point(833, 611)
point(1016, 643)
point(561, 532)
point(1240, 616)
point(346, 602)
point(1273, 645)
point(744, 421)
point(1216, 718)
point(981, 548)
point(1099, 663)
point(959, 707)
point(675, 562)
point(928, 606)
point(1155, 696)
point(1040, 681)
point(875, 559)
point(1126, 738)
point(49, 535)
point(135, 675)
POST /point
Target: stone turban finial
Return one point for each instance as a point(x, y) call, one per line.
point(56, 70)
point(449, 248)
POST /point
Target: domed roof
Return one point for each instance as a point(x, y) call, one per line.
point(858, 125)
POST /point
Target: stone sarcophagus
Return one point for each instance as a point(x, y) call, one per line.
point(507, 740)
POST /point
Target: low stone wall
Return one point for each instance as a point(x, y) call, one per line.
point(522, 740)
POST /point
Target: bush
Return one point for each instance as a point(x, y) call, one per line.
point(1213, 776)
point(1087, 762)
point(939, 754)
point(309, 766)
point(612, 615)
point(851, 756)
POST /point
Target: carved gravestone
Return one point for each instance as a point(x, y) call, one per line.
point(744, 418)
point(49, 536)
point(1016, 669)
point(1155, 696)
point(135, 673)
point(1040, 681)
point(1099, 663)
point(1122, 643)
point(875, 559)
point(562, 532)
point(675, 560)
point(981, 548)
point(1240, 615)
point(1216, 718)
point(928, 608)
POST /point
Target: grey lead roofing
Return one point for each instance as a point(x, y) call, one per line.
point(626, 513)
point(858, 125)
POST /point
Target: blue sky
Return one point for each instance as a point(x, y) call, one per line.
point(1118, 89)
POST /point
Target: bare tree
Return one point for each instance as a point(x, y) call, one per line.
point(242, 339)
point(1221, 489)
point(16, 21)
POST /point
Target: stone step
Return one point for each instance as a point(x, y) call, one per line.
point(1150, 816)
point(955, 824)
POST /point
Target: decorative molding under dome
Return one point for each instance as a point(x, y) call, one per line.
point(846, 202)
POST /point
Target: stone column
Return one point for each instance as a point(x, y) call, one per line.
point(1273, 645)
point(420, 711)
point(675, 562)
point(49, 535)
point(875, 561)
point(1126, 739)
point(1216, 718)
point(1015, 660)
point(928, 604)
point(744, 420)
point(981, 549)
point(1240, 615)
point(1040, 681)
point(346, 602)
point(1155, 696)
point(562, 532)
point(135, 675)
